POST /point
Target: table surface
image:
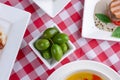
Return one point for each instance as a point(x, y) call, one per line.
point(29, 67)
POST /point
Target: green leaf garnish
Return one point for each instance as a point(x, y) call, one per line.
point(116, 32)
point(103, 18)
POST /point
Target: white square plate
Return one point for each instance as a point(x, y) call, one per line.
point(52, 63)
point(89, 30)
point(14, 23)
point(52, 7)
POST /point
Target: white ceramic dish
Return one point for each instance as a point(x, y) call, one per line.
point(51, 63)
point(89, 30)
point(99, 68)
point(52, 7)
point(14, 23)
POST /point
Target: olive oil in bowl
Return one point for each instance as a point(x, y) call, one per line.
point(86, 75)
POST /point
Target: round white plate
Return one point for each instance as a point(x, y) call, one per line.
point(65, 70)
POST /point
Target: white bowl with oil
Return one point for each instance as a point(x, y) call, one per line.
point(94, 67)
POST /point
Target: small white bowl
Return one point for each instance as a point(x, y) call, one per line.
point(52, 7)
point(51, 63)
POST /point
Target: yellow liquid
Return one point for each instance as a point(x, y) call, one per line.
point(83, 76)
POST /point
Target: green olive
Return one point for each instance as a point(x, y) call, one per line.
point(50, 32)
point(42, 44)
point(60, 38)
point(56, 52)
point(46, 54)
point(64, 47)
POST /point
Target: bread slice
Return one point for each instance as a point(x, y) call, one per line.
point(3, 39)
point(115, 8)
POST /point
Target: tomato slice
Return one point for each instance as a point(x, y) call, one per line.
point(116, 22)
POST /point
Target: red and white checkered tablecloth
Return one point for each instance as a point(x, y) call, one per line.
point(29, 67)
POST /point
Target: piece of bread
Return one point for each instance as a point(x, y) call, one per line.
point(115, 8)
point(3, 39)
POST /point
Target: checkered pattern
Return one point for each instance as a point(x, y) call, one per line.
point(29, 67)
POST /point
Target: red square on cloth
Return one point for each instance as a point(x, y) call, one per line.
point(62, 25)
point(102, 56)
point(14, 77)
point(38, 78)
point(68, 6)
point(30, 9)
point(50, 71)
point(38, 22)
point(20, 0)
point(28, 68)
point(116, 47)
point(8, 3)
point(26, 33)
point(93, 43)
point(76, 17)
point(20, 55)
point(66, 60)
point(79, 53)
